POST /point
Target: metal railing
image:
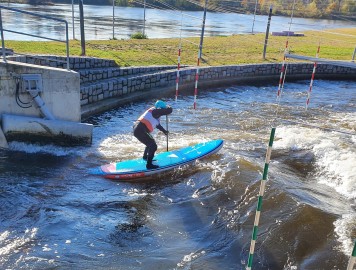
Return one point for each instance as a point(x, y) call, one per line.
point(2, 30)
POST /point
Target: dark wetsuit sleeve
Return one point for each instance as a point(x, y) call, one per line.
point(161, 128)
point(157, 113)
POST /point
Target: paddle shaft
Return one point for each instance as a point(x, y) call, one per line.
point(167, 130)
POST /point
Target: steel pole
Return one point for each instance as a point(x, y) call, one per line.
point(267, 32)
point(67, 45)
point(82, 34)
point(73, 19)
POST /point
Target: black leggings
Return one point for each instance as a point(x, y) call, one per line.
point(143, 135)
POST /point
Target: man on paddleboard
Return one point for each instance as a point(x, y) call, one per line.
point(145, 124)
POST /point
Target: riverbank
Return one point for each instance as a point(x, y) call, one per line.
point(336, 44)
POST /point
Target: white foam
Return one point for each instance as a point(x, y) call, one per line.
point(9, 245)
point(344, 229)
point(335, 155)
point(48, 148)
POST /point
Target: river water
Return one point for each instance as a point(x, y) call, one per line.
point(56, 216)
point(159, 23)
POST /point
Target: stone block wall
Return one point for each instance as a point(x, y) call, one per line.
point(216, 75)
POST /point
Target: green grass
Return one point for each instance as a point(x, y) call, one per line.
point(222, 50)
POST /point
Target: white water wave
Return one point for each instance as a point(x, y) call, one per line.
point(345, 229)
point(335, 155)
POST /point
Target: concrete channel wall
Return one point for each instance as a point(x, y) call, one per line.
point(59, 91)
point(41, 104)
point(104, 85)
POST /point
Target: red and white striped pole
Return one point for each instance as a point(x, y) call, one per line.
point(178, 69)
point(281, 81)
point(196, 80)
point(312, 79)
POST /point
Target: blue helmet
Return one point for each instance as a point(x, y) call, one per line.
point(160, 104)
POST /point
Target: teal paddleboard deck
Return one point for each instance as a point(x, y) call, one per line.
point(136, 168)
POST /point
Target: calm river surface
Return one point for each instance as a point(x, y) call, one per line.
point(159, 23)
point(56, 216)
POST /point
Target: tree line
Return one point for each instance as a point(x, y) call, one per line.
point(333, 9)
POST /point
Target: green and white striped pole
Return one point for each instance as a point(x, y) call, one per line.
point(352, 260)
point(260, 197)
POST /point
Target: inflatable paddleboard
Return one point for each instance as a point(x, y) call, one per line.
point(135, 169)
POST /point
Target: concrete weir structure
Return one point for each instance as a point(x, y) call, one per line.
point(41, 104)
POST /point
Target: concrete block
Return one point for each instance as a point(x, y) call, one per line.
point(31, 129)
point(3, 141)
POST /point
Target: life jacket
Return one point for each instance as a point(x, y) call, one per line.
point(148, 119)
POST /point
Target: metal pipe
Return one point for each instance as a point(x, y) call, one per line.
point(353, 55)
point(30, 35)
point(31, 13)
point(41, 105)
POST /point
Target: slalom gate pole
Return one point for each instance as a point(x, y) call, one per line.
point(312, 79)
point(178, 69)
point(196, 81)
point(260, 197)
point(281, 81)
point(179, 52)
point(352, 260)
point(280, 86)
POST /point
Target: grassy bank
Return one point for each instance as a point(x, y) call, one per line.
point(337, 44)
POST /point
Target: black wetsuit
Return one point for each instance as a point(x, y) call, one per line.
point(142, 133)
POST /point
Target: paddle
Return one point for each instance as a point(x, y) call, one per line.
point(167, 130)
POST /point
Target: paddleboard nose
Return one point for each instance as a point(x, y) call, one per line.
point(96, 171)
